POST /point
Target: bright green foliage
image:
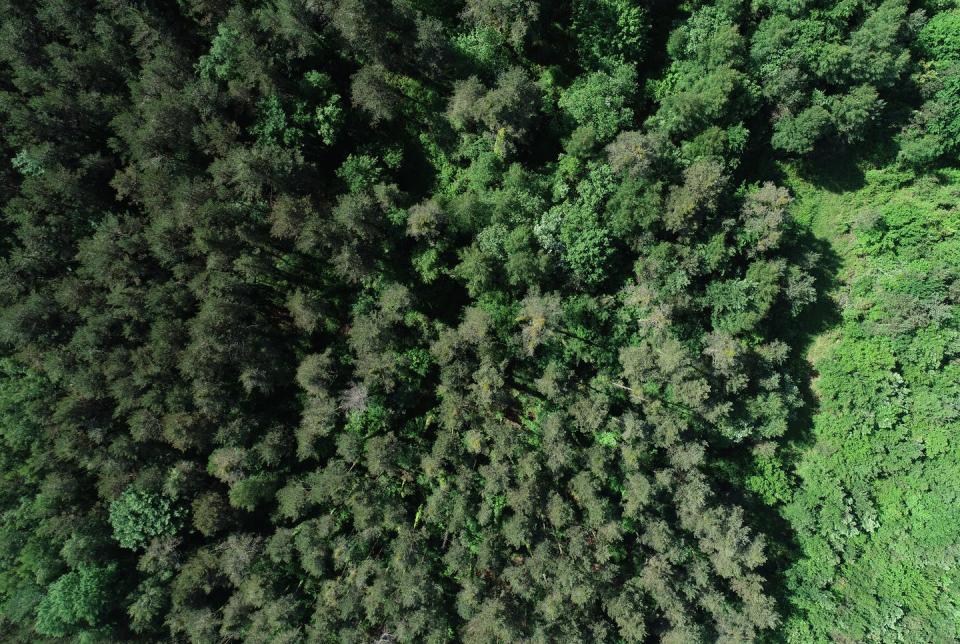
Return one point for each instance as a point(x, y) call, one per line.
point(609, 32)
point(933, 133)
point(871, 513)
point(573, 230)
point(329, 114)
point(602, 100)
point(484, 47)
point(705, 86)
point(139, 516)
point(939, 40)
point(75, 601)
point(740, 304)
point(222, 60)
point(275, 126)
point(328, 117)
point(359, 172)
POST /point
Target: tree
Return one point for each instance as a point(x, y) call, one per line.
point(826, 77)
point(609, 31)
point(77, 601)
point(138, 516)
point(512, 20)
point(601, 100)
point(507, 111)
point(358, 320)
point(371, 90)
point(210, 513)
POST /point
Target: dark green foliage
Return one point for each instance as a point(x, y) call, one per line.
point(934, 132)
point(417, 321)
point(824, 70)
point(510, 20)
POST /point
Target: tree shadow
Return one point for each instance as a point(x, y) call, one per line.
point(768, 517)
point(838, 168)
point(841, 172)
point(818, 317)
point(835, 173)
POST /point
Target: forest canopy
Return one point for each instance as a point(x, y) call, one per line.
point(479, 320)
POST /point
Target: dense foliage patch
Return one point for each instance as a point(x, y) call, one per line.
point(873, 509)
point(342, 320)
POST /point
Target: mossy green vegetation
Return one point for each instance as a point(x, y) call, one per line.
point(879, 479)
